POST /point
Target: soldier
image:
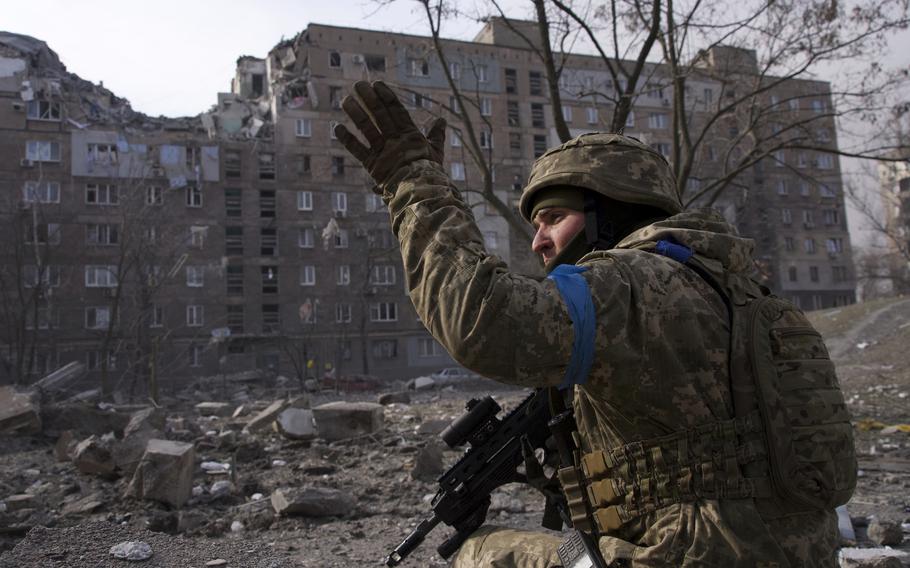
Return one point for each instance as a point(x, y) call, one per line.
point(639, 340)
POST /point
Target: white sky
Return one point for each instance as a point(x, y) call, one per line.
point(172, 57)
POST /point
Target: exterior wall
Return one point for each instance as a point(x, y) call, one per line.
point(252, 157)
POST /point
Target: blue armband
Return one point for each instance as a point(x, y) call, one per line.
point(577, 295)
point(679, 253)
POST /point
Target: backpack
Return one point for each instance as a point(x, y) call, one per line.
point(779, 367)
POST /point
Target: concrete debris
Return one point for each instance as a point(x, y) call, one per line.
point(144, 425)
point(61, 378)
point(215, 467)
point(217, 562)
point(93, 456)
point(190, 521)
point(18, 412)
point(165, 473)
point(226, 439)
point(433, 427)
point(312, 502)
point(341, 420)
point(296, 424)
point(19, 502)
point(884, 533)
point(215, 408)
point(84, 396)
point(65, 446)
point(428, 463)
point(134, 551)
point(146, 419)
point(402, 397)
point(237, 527)
point(84, 505)
point(265, 418)
point(871, 558)
point(221, 488)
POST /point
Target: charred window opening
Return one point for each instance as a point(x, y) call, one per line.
point(258, 83)
point(375, 62)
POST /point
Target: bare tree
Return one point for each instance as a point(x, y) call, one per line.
point(28, 277)
point(726, 73)
point(747, 55)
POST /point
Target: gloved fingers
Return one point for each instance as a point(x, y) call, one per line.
point(375, 107)
point(351, 143)
point(352, 108)
point(399, 114)
point(436, 134)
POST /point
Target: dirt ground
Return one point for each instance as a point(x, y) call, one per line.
point(72, 519)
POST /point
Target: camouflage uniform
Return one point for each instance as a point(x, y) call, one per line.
point(660, 367)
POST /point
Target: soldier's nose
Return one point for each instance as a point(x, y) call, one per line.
point(541, 241)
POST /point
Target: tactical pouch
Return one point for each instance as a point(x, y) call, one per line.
point(806, 424)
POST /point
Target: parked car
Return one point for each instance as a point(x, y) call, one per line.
point(443, 377)
point(451, 375)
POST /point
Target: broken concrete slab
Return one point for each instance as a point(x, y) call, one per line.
point(84, 505)
point(93, 456)
point(871, 558)
point(165, 473)
point(19, 502)
point(312, 502)
point(265, 418)
point(129, 451)
point(65, 446)
point(402, 397)
point(144, 425)
point(341, 420)
point(221, 409)
point(146, 419)
point(428, 463)
point(296, 424)
point(884, 533)
point(433, 427)
point(84, 396)
point(60, 378)
point(19, 412)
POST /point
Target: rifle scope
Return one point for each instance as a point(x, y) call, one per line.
point(465, 428)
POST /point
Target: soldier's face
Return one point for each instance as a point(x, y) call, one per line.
point(555, 226)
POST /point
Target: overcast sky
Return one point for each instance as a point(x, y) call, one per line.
point(172, 57)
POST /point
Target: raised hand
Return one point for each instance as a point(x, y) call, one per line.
point(393, 140)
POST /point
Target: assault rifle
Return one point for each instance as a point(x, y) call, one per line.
point(497, 447)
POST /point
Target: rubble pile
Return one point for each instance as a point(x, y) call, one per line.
point(205, 467)
point(319, 478)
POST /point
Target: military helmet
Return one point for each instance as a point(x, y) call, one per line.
point(617, 166)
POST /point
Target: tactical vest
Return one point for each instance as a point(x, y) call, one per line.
point(789, 445)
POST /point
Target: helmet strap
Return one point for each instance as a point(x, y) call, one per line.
point(599, 230)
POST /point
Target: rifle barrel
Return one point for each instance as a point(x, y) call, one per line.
point(412, 541)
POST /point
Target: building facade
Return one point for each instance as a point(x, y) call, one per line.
point(246, 237)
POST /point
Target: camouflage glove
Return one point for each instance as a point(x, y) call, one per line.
point(394, 139)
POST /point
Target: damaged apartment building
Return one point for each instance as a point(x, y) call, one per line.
point(246, 237)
